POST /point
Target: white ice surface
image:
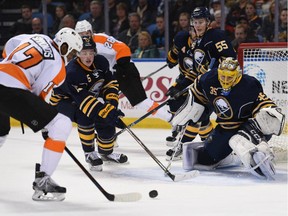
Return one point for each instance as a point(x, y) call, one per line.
point(230, 191)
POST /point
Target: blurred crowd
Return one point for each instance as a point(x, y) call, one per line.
point(140, 23)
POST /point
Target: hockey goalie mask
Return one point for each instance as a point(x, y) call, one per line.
point(229, 73)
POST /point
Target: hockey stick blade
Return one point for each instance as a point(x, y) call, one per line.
point(127, 197)
point(185, 176)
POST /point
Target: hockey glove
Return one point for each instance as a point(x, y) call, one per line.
point(174, 90)
point(110, 114)
point(171, 64)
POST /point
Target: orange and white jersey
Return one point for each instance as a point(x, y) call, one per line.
point(111, 48)
point(33, 64)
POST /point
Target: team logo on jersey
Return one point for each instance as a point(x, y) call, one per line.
point(95, 73)
point(199, 56)
point(256, 71)
point(187, 63)
point(222, 108)
point(95, 89)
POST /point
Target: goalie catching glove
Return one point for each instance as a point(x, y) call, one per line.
point(111, 115)
point(270, 120)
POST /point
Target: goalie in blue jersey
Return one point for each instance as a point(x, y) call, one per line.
point(246, 119)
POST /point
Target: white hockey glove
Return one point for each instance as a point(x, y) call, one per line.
point(270, 120)
point(190, 110)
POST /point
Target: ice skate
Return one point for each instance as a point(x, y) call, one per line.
point(45, 188)
point(94, 161)
point(175, 153)
point(170, 140)
point(115, 157)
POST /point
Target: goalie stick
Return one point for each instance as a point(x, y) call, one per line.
point(174, 177)
point(127, 197)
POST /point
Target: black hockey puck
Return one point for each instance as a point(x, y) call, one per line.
point(153, 193)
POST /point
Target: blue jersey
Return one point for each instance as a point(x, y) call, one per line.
point(244, 100)
point(181, 53)
point(85, 85)
point(213, 44)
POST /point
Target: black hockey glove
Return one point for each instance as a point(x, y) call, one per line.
point(111, 115)
point(173, 90)
point(171, 64)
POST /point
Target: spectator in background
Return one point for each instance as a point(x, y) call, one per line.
point(216, 23)
point(145, 47)
point(231, 20)
point(37, 27)
point(183, 23)
point(175, 9)
point(215, 6)
point(121, 22)
point(95, 16)
point(268, 25)
point(282, 37)
point(146, 13)
point(241, 4)
point(250, 34)
point(68, 21)
point(254, 21)
point(24, 24)
point(240, 36)
point(158, 35)
point(130, 36)
point(60, 12)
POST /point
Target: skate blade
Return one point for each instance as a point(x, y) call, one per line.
point(95, 168)
point(41, 196)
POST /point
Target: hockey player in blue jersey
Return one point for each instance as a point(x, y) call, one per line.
point(193, 52)
point(89, 96)
point(246, 119)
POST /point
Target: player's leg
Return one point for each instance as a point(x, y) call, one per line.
point(131, 86)
point(37, 114)
point(4, 127)
point(105, 141)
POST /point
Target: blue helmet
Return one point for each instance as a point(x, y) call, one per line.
point(201, 12)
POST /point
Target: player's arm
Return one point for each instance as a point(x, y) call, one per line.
point(110, 89)
point(172, 55)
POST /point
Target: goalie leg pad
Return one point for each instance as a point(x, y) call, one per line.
point(256, 159)
point(190, 110)
point(271, 121)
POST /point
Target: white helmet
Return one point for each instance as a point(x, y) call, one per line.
point(71, 38)
point(83, 26)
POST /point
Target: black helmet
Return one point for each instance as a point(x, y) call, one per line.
point(88, 43)
point(201, 12)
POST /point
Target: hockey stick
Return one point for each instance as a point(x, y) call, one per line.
point(176, 146)
point(174, 177)
point(149, 75)
point(150, 112)
point(127, 197)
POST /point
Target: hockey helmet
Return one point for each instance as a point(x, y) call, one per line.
point(83, 26)
point(229, 73)
point(69, 37)
point(201, 12)
point(88, 43)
